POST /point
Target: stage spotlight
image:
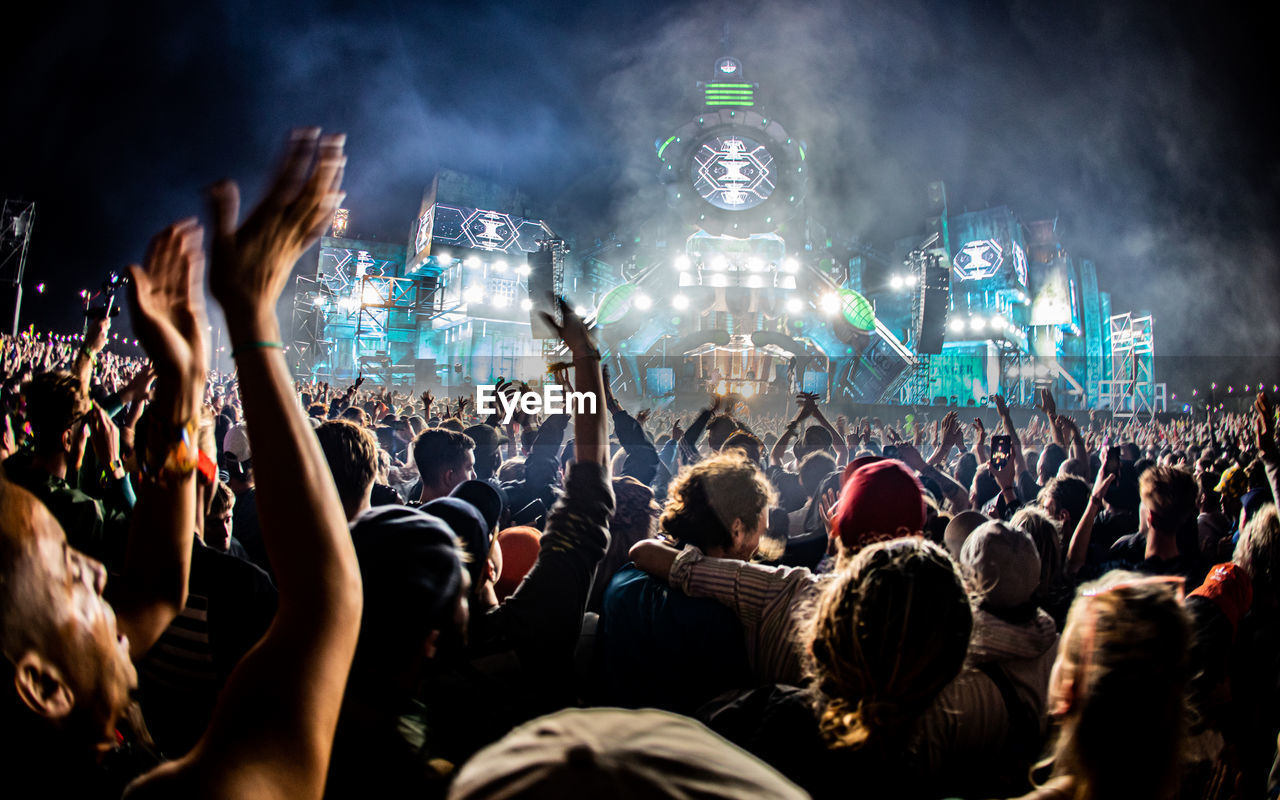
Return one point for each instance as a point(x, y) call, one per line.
point(686, 279)
point(895, 282)
point(910, 281)
point(473, 294)
point(526, 304)
point(682, 262)
point(720, 263)
point(582, 311)
point(719, 280)
point(956, 325)
point(472, 263)
point(643, 301)
point(523, 270)
point(501, 301)
point(755, 282)
point(680, 302)
point(790, 265)
point(829, 303)
point(977, 323)
point(787, 282)
point(499, 266)
point(794, 305)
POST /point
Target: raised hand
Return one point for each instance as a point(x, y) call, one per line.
point(571, 328)
point(104, 436)
point(427, 400)
point(1264, 427)
point(676, 430)
point(716, 402)
point(167, 295)
point(1047, 404)
point(643, 416)
point(827, 507)
point(8, 442)
point(252, 260)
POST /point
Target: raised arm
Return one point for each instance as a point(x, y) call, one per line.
point(1078, 547)
point(842, 449)
point(167, 294)
point(272, 730)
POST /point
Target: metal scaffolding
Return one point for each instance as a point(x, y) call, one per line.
point(1132, 390)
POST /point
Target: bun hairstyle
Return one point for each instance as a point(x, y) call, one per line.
point(1119, 688)
point(705, 499)
point(887, 636)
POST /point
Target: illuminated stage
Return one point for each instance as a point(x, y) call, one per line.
point(736, 287)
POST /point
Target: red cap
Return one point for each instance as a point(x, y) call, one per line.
point(881, 499)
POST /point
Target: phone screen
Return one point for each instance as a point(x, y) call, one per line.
point(1001, 450)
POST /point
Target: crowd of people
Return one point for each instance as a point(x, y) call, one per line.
point(242, 585)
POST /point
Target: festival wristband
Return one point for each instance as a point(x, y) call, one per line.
point(244, 348)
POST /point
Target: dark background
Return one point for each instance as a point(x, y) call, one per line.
point(1145, 128)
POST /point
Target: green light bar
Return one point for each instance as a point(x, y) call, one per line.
point(736, 103)
point(730, 85)
point(730, 91)
point(664, 146)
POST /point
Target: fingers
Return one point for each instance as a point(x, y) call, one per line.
point(224, 208)
point(299, 153)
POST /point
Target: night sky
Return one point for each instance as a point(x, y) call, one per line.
point(1145, 130)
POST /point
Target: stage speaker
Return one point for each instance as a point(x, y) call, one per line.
point(934, 302)
point(546, 270)
point(936, 192)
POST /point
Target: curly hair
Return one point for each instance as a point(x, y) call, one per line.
point(704, 500)
point(1119, 688)
point(887, 636)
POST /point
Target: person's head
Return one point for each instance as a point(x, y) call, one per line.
point(55, 405)
point(984, 486)
point(488, 454)
point(317, 410)
point(966, 468)
point(483, 555)
point(217, 521)
point(352, 453)
point(415, 596)
point(511, 470)
point(880, 499)
point(444, 459)
point(237, 457)
point(813, 469)
point(814, 439)
point(1209, 501)
point(1118, 688)
point(1258, 551)
point(67, 665)
point(747, 443)
point(1003, 564)
point(519, 547)
point(1050, 460)
point(1168, 498)
point(719, 429)
point(1064, 498)
point(889, 633)
point(1047, 535)
point(720, 505)
point(356, 414)
point(1078, 467)
point(959, 528)
point(612, 752)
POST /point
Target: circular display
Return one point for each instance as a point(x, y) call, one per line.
point(733, 173)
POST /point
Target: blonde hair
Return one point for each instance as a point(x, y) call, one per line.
point(1119, 688)
point(887, 636)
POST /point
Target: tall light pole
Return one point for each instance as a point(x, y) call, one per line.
point(16, 220)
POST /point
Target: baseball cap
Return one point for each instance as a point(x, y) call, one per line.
point(620, 754)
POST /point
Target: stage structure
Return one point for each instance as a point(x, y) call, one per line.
point(737, 284)
point(479, 245)
point(16, 220)
point(732, 296)
point(1132, 391)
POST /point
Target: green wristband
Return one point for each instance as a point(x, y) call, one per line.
point(244, 348)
